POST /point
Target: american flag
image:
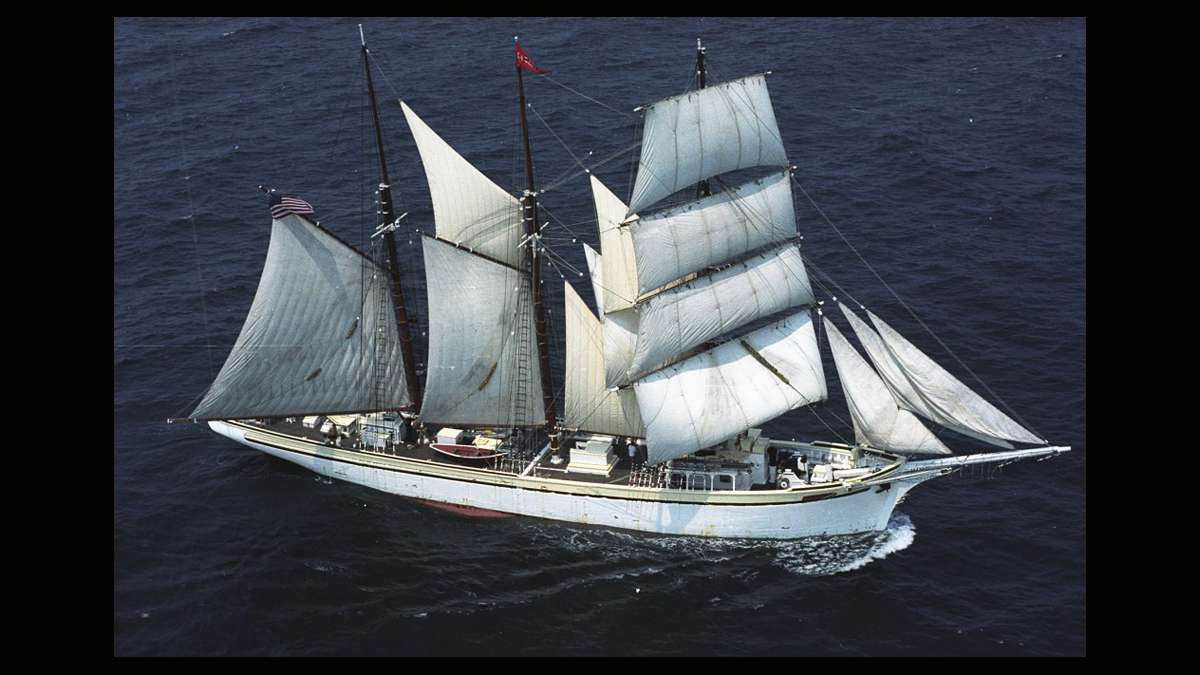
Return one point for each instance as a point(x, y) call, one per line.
point(286, 205)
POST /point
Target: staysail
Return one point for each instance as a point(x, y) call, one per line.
point(475, 309)
point(704, 133)
point(717, 394)
point(620, 291)
point(308, 344)
point(878, 422)
point(588, 404)
point(922, 386)
point(468, 208)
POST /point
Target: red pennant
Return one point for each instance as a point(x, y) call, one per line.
point(523, 61)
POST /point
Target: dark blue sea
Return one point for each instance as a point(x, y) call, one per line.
point(949, 152)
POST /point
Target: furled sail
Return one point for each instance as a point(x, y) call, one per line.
point(468, 207)
point(878, 422)
point(684, 317)
point(715, 395)
point(308, 343)
point(703, 133)
point(588, 404)
point(925, 388)
point(616, 241)
point(474, 356)
point(711, 230)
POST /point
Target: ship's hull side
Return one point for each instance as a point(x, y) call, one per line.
point(865, 509)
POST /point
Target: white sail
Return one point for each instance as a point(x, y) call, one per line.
point(616, 243)
point(588, 404)
point(619, 327)
point(473, 346)
point(684, 317)
point(948, 398)
point(596, 273)
point(712, 230)
point(468, 208)
point(898, 382)
point(308, 342)
point(707, 132)
point(716, 395)
point(878, 422)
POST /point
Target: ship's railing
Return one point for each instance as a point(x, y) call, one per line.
point(649, 476)
point(704, 481)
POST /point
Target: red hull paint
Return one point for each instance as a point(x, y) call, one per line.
point(465, 451)
point(465, 511)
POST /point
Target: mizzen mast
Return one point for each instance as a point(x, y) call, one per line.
point(529, 204)
point(389, 220)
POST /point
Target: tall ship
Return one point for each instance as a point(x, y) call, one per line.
point(706, 327)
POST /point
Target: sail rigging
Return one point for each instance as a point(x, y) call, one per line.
point(669, 282)
point(309, 342)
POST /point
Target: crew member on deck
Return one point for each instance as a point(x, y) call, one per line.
point(802, 469)
point(632, 454)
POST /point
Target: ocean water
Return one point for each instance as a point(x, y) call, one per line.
point(950, 153)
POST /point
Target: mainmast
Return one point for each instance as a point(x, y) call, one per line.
point(702, 190)
point(388, 226)
point(529, 202)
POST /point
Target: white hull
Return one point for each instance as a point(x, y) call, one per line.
point(861, 511)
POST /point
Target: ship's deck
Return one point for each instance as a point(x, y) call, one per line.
point(545, 468)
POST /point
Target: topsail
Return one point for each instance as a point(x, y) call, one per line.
point(468, 208)
point(712, 230)
point(704, 133)
point(309, 342)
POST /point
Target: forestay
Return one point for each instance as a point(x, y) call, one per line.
point(712, 230)
point(703, 133)
point(715, 395)
point(684, 317)
point(308, 342)
point(589, 405)
point(878, 422)
point(473, 366)
point(468, 208)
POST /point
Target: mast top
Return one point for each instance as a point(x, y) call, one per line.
point(699, 47)
point(361, 37)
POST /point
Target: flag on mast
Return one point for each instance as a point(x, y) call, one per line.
point(523, 61)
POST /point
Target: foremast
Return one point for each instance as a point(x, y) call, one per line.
point(387, 215)
point(702, 190)
point(530, 214)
